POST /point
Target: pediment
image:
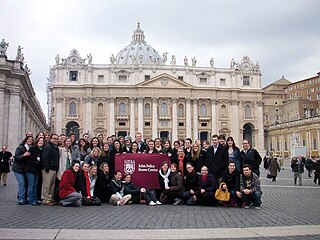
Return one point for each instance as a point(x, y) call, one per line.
point(164, 81)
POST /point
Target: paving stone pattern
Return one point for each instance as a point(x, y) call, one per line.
point(282, 205)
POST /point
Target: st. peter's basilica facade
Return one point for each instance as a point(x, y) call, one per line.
point(142, 91)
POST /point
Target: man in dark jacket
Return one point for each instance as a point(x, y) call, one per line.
point(217, 158)
point(250, 156)
point(50, 157)
point(5, 157)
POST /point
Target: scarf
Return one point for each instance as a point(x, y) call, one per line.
point(204, 178)
point(87, 184)
point(181, 168)
point(165, 177)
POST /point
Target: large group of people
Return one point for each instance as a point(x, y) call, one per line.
point(56, 169)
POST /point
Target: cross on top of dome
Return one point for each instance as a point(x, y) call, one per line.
point(138, 35)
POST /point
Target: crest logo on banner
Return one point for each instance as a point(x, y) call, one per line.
point(129, 166)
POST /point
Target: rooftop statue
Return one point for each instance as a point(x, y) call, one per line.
point(3, 47)
point(113, 59)
point(212, 62)
point(194, 61)
point(57, 58)
point(185, 60)
point(89, 58)
point(19, 53)
point(173, 60)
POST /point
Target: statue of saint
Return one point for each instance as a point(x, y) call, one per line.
point(164, 57)
point(18, 57)
point(185, 60)
point(3, 47)
point(232, 63)
point(57, 59)
point(194, 61)
point(89, 58)
point(112, 59)
point(212, 62)
point(173, 60)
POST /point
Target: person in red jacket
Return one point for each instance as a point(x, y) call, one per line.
point(67, 193)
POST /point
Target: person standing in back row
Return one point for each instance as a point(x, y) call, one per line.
point(50, 157)
point(249, 155)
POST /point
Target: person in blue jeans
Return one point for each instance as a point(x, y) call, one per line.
point(18, 167)
point(250, 190)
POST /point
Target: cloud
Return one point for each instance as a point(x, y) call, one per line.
point(283, 36)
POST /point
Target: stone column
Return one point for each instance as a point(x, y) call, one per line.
point(58, 115)
point(214, 116)
point(154, 118)
point(188, 119)
point(174, 119)
point(195, 119)
point(111, 129)
point(140, 116)
point(88, 114)
point(14, 119)
point(2, 110)
point(260, 140)
point(235, 129)
point(23, 119)
point(132, 117)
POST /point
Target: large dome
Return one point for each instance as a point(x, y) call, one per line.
point(138, 51)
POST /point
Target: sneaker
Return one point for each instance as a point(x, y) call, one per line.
point(158, 203)
point(177, 201)
point(152, 203)
point(248, 205)
point(257, 207)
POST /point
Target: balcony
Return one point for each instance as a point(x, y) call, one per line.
point(73, 116)
point(122, 117)
point(204, 118)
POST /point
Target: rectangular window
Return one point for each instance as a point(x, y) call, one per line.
point(222, 81)
point(122, 123)
point(318, 96)
point(278, 146)
point(73, 76)
point(314, 144)
point(100, 78)
point(246, 80)
point(146, 77)
point(203, 80)
point(123, 78)
point(285, 146)
point(204, 124)
point(309, 97)
point(181, 124)
point(180, 78)
point(147, 124)
point(303, 142)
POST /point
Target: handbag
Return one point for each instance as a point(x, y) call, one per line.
point(222, 194)
point(269, 175)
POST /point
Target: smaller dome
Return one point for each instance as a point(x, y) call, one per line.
point(138, 51)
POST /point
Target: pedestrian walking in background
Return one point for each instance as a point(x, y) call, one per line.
point(274, 168)
point(309, 166)
point(297, 166)
point(5, 157)
point(316, 169)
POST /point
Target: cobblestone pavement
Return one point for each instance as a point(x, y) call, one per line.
point(283, 204)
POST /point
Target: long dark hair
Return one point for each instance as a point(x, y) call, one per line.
point(233, 144)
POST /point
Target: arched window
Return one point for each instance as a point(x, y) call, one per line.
point(223, 111)
point(247, 111)
point(180, 110)
point(122, 109)
point(72, 108)
point(147, 110)
point(203, 110)
point(100, 108)
point(164, 109)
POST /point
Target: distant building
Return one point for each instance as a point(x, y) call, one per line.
point(19, 107)
point(143, 91)
point(292, 115)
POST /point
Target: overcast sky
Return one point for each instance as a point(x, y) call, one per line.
point(282, 35)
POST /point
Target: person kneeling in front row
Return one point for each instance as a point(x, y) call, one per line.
point(250, 190)
point(67, 193)
point(118, 196)
point(139, 194)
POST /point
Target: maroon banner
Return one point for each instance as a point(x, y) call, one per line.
point(144, 168)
